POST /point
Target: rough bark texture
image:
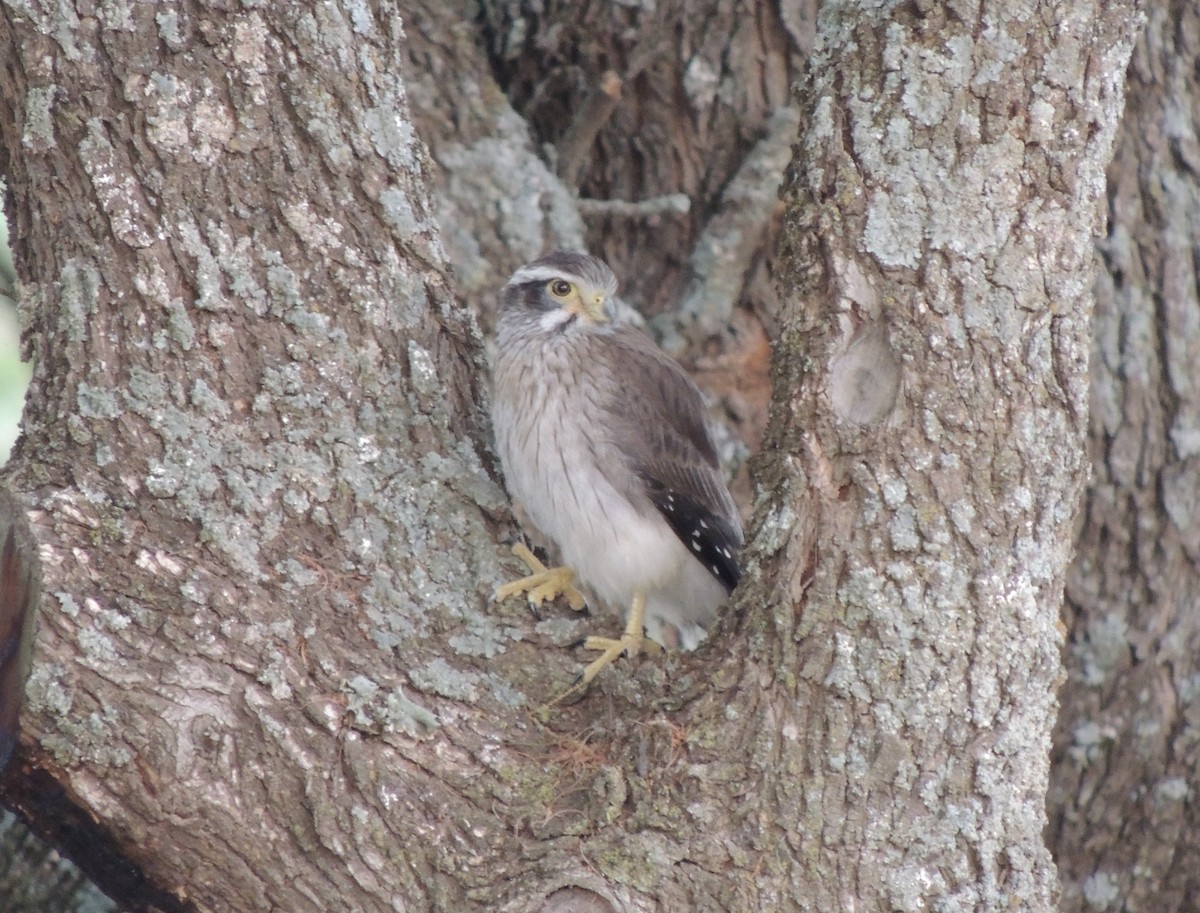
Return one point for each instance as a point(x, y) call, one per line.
point(266, 658)
point(252, 394)
point(1124, 822)
point(927, 449)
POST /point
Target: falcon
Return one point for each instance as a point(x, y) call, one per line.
point(608, 456)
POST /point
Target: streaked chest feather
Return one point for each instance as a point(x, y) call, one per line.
point(550, 433)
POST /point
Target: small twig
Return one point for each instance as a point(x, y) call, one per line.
point(575, 144)
point(670, 202)
point(592, 116)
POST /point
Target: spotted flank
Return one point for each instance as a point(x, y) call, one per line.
point(710, 538)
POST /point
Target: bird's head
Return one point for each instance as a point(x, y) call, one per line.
point(559, 290)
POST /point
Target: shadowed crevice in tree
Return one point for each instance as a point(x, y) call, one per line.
point(36, 878)
point(699, 84)
point(17, 590)
point(45, 808)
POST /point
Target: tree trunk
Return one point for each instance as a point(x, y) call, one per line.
point(1123, 816)
point(252, 456)
point(931, 402)
point(266, 522)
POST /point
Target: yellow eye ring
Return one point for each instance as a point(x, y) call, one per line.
point(560, 288)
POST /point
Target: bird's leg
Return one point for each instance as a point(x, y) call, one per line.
point(629, 643)
point(543, 583)
point(632, 642)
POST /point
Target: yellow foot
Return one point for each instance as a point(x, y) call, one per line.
point(630, 644)
point(544, 583)
point(611, 650)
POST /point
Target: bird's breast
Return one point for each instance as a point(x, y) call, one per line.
point(566, 473)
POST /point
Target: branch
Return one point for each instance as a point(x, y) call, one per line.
point(668, 202)
point(573, 147)
point(726, 248)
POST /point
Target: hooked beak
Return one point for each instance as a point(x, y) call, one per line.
point(589, 306)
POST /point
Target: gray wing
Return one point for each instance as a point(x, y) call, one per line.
point(660, 427)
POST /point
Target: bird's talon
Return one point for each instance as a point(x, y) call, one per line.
point(542, 584)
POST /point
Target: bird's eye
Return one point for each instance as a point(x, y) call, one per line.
point(560, 288)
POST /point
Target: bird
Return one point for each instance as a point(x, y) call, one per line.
point(607, 453)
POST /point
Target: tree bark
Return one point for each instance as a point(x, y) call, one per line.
point(927, 449)
point(266, 521)
point(1123, 819)
point(252, 457)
